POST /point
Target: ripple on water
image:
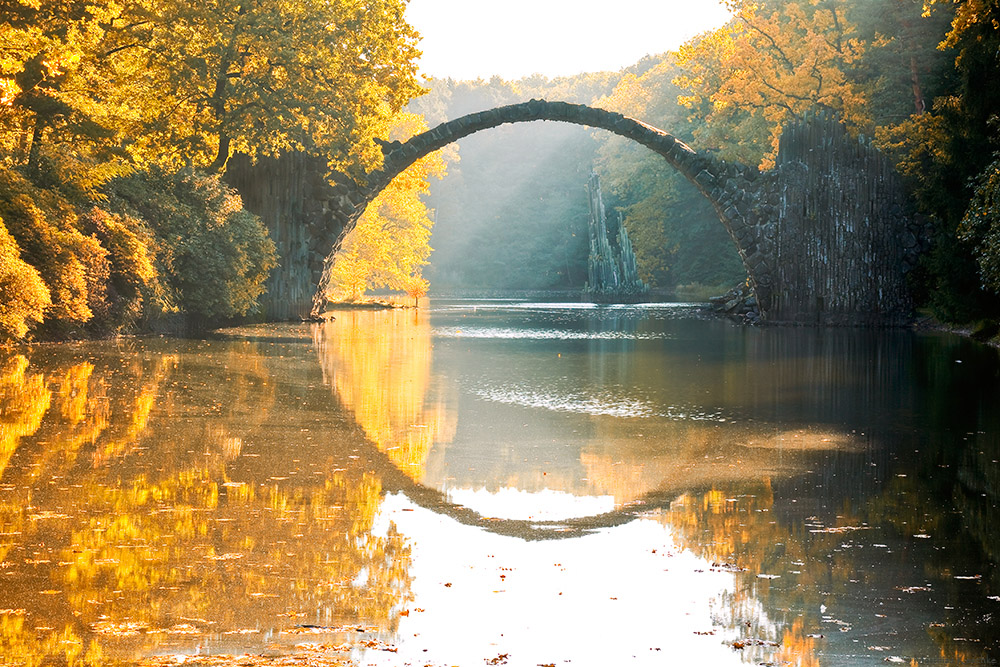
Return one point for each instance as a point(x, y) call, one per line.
point(598, 405)
point(514, 333)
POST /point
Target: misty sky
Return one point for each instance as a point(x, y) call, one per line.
point(468, 39)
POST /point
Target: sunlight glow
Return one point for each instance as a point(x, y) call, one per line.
point(518, 38)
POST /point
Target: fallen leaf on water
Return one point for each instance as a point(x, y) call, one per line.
point(229, 556)
point(47, 515)
point(112, 629)
point(183, 629)
point(743, 643)
point(843, 529)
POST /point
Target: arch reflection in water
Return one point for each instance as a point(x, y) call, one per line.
point(538, 504)
point(166, 496)
point(379, 366)
point(773, 474)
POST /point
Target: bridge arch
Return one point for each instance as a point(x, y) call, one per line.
point(723, 184)
point(825, 236)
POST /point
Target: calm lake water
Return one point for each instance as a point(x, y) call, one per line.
point(500, 482)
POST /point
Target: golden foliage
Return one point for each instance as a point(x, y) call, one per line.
point(798, 648)
point(391, 242)
point(380, 365)
point(772, 63)
point(24, 400)
point(152, 530)
point(23, 294)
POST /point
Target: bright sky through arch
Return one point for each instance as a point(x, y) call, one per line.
point(470, 39)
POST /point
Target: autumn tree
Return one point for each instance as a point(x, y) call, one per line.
point(266, 76)
point(391, 242)
point(211, 256)
point(175, 82)
point(55, 80)
point(775, 61)
point(23, 295)
point(46, 230)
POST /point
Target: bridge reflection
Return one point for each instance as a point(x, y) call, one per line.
point(709, 476)
point(157, 496)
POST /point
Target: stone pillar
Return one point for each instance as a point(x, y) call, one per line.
point(292, 198)
point(841, 231)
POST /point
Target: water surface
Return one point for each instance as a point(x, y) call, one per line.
point(502, 482)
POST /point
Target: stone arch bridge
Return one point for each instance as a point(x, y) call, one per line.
point(823, 236)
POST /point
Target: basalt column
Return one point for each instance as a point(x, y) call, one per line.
point(295, 201)
point(843, 241)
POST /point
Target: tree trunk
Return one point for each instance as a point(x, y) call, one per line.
point(222, 157)
point(918, 93)
point(34, 153)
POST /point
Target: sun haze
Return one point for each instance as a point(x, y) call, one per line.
point(465, 39)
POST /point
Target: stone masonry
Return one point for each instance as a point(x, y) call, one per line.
point(775, 224)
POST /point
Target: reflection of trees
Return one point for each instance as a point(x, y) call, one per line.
point(736, 527)
point(190, 547)
point(976, 496)
point(379, 364)
point(24, 400)
point(630, 459)
point(146, 496)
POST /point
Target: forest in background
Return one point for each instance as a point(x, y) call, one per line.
point(516, 196)
point(117, 119)
point(916, 76)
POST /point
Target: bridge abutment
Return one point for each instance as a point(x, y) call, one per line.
point(843, 239)
point(305, 217)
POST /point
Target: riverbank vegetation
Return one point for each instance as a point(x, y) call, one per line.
point(116, 124)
